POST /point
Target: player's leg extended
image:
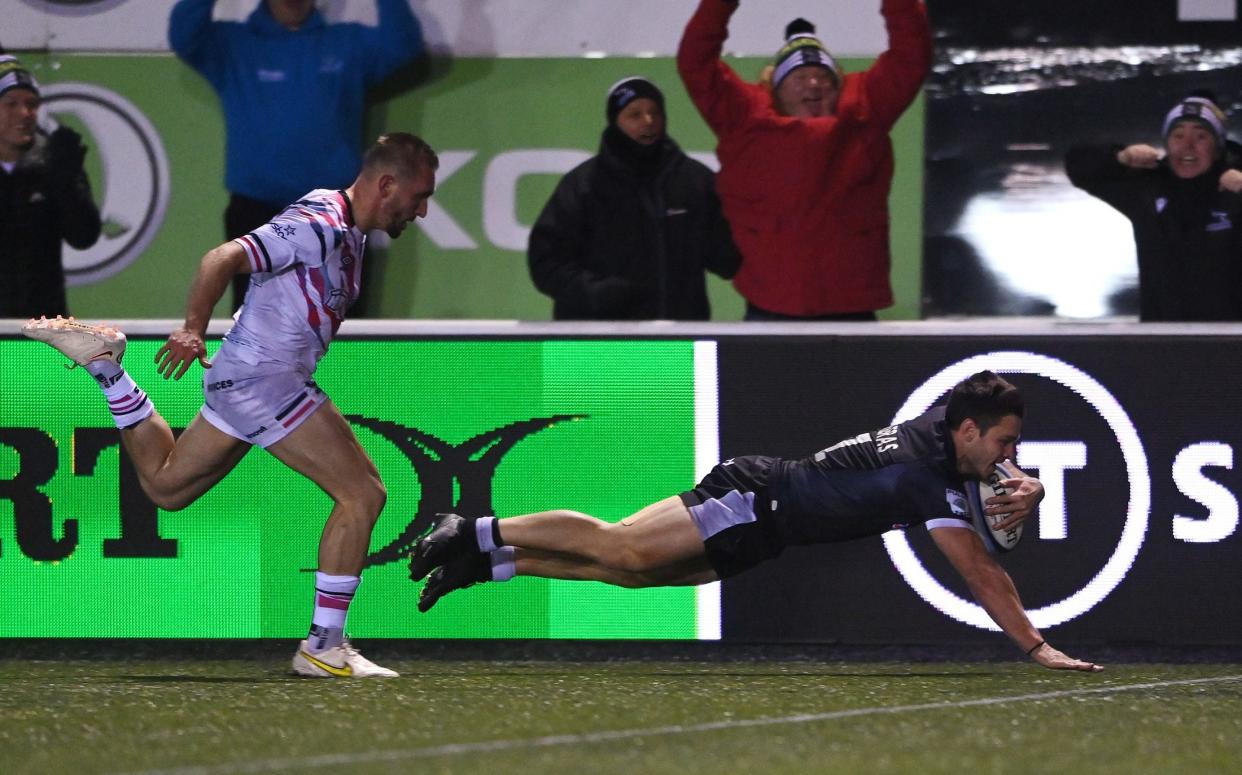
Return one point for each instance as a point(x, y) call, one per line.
point(174, 474)
point(549, 565)
point(657, 546)
point(506, 562)
point(657, 536)
point(323, 448)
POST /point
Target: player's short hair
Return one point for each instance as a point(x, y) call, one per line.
point(985, 398)
point(401, 152)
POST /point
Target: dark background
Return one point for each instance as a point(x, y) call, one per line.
point(1071, 23)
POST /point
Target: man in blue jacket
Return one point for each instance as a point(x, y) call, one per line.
point(292, 88)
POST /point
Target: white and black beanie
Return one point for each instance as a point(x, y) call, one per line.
point(1202, 110)
point(13, 75)
point(802, 48)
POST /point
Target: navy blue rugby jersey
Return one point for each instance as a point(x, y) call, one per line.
point(869, 484)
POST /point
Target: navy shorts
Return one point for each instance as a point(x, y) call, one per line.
point(728, 508)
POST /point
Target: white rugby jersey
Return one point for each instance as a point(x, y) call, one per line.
point(305, 268)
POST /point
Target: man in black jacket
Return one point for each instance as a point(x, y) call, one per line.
point(1185, 204)
point(628, 234)
point(45, 199)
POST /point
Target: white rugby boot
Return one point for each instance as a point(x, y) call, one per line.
point(341, 661)
point(81, 343)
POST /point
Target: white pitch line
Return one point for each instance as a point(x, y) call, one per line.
point(452, 749)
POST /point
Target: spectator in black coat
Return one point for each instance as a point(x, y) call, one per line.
point(45, 199)
point(628, 234)
point(1185, 204)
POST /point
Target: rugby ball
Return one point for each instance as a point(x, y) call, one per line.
point(977, 493)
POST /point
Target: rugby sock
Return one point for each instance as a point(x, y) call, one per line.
point(128, 402)
point(487, 534)
point(332, 597)
point(504, 563)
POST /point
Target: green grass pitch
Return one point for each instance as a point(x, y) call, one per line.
point(477, 716)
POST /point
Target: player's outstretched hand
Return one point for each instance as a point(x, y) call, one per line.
point(182, 349)
point(1053, 659)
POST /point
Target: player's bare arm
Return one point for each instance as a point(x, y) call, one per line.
point(186, 344)
point(994, 590)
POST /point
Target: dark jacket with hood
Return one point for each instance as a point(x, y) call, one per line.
point(628, 234)
point(45, 201)
point(1188, 233)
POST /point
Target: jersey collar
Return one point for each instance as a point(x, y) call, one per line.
point(349, 209)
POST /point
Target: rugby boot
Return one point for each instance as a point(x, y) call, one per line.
point(450, 536)
point(341, 661)
point(81, 343)
point(465, 571)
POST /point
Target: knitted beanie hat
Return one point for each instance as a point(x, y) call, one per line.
point(625, 91)
point(13, 75)
point(1200, 109)
point(802, 48)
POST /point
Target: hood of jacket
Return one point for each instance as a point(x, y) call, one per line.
point(262, 21)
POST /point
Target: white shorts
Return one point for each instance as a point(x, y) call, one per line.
point(256, 404)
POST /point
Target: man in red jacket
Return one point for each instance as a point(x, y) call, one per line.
point(806, 162)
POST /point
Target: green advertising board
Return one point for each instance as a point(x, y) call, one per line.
point(510, 427)
point(506, 130)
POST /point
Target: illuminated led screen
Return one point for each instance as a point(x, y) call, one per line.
point(505, 427)
point(1134, 437)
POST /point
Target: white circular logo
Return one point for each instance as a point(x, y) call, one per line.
point(134, 190)
point(1137, 511)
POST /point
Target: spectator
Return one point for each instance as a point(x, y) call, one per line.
point(45, 199)
point(628, 234)
point(292, 88)
point(1184, 203)
point(806, 161)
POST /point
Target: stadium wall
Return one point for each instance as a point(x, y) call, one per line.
point(1129, 428)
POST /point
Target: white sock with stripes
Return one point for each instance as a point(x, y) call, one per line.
point(128, 402)
point(333, 594)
